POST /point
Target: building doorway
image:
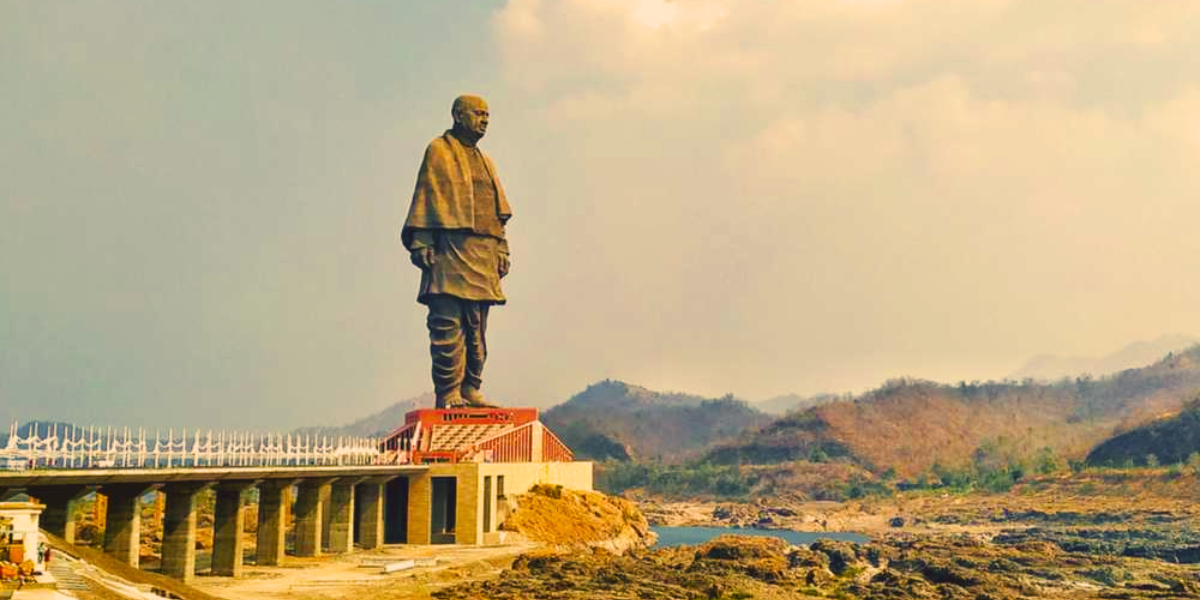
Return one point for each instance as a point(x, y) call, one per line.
point(395, 511)
point(487, 504)
point(444, 509)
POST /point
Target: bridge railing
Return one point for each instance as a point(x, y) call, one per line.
point(106, 448)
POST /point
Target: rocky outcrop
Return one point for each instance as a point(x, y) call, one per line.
point(899, 567)
point(567, 519)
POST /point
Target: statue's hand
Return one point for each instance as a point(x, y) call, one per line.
point(422, 257)
point(505, 264)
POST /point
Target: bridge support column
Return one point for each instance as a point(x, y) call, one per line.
point(274, 501)
point(61, 507)
point(229, 523)
point(326, 517)
point(123, 520)
point(309, 518)
point(341, 515)
point(369, 516)
point(179, 530)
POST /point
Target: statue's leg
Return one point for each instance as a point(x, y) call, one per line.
point(447, 349)
point(475, 329)
point(475, 316)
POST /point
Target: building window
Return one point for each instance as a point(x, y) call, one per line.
point(487, 504)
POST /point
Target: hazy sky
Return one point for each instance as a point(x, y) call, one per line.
point(200, 202)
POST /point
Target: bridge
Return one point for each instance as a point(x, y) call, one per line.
point(442, 477)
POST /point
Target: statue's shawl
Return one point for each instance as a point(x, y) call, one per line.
point(444, 197)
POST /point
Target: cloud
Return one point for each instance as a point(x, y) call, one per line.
point(945, 179)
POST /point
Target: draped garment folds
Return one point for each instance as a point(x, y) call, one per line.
point(459, 209)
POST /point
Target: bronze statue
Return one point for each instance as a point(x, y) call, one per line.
point(455, 235)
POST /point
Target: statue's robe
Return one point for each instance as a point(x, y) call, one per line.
point(459, 209)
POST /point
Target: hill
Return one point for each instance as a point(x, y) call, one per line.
point(781, 405)
point(376, 425)
point(612, 419)
point(910, 425)
point(1168, 441)
point(43, 429)
point(1050, 367)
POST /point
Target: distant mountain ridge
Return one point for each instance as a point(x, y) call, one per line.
point(614, 419)
point(376, 425)
point(909, 425)
point(1048, 367)
point(780, 405)
point(42, 428)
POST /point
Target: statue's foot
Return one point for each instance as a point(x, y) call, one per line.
point(451, 399)
point(474, 398)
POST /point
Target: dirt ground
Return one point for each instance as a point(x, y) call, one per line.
point(360, 575)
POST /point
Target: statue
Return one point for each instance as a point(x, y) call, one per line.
point(455, 234)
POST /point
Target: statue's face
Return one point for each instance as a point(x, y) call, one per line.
point(474, 116)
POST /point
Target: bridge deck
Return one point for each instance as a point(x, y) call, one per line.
point(45, 477)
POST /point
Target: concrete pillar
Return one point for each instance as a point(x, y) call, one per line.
point(123, 520)
point(61, 502)
point(469, 524)
point(326, 517)
point(537, 442)
point(420, 505)
point(341, 515)
point(179, 530)
point(370, 513)
point(274, 500)
point(309, 518)
point(229, 523)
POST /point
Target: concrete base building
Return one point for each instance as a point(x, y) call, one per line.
point(476, 458)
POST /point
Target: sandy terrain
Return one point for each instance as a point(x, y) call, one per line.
point(360, 574)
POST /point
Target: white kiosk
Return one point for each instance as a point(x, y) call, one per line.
point(22, 530)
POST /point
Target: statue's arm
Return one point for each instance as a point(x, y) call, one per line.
point(421, 248)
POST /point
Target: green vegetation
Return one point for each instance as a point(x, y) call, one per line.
point(685, 480)
point(997, 466)
point(554, 491)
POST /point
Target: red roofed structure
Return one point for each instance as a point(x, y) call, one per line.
point(507, 435)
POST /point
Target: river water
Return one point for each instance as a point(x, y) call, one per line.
point(679, 536)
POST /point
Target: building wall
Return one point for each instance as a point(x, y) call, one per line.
point(518, 478)
point(420, 503)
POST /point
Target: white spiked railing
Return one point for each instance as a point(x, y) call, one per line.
point(60, 447)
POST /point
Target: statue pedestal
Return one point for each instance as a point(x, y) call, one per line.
point(432, 417)
point(469, 434)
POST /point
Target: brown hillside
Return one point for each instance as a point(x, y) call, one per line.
point(613, 419)
point(910, 425)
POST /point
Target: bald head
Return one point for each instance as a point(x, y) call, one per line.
point(470, 116)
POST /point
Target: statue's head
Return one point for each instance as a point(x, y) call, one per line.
point(470, 115)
